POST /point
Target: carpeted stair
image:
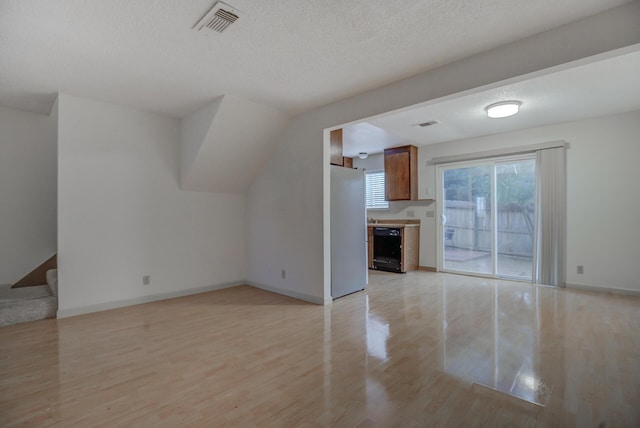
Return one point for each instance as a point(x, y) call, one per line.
point(18, 305)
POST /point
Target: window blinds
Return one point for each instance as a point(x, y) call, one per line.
point(374, 182)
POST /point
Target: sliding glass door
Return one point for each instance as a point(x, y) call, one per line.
point(487, 214)
point(467, 243)
point(515, 210)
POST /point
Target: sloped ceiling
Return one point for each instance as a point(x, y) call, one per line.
point(225, 143)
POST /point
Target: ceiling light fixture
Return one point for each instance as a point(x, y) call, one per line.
point(503, 109)
point(363, 155)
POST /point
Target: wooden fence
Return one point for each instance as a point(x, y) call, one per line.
point(472, 228)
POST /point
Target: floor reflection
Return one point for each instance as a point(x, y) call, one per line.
point(497, 348)
point(453, 332)
point(377, 335)
point(492, 338)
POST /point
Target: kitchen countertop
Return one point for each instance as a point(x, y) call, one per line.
point(401, 223)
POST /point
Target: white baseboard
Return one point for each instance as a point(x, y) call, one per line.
point(586, 287)
point(65, 313)
point(295, 294)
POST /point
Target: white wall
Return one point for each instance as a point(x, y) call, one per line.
point(122, 215)
point(288, 204)
point(603, 200)
point(284, 208)
point(374, 162)
point(28, 192)
point(231, 151)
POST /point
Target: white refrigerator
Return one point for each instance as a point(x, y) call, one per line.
point(348, 231)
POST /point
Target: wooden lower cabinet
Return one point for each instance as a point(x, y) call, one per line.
point(410, 248)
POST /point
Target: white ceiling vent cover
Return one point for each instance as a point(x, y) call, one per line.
point(218, 19)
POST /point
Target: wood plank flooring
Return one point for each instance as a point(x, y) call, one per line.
point(415, 350)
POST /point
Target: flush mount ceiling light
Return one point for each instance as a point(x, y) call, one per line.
point(363, 155)
point(503, 109)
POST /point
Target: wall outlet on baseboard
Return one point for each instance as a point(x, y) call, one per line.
point(146, 280)
point(284, 274)
point(580, 269)
point(431, 214)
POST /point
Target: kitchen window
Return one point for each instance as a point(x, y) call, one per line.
point(374, 188)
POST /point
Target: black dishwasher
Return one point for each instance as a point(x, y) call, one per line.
point(387, 248)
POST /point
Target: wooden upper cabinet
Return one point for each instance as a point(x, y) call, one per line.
point(401, 173)
point(336, 147)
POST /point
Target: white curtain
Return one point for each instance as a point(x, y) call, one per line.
point(551, 201)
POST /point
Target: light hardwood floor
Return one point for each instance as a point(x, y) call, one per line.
point(415, 350)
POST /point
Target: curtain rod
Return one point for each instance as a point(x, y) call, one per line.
point(530, 148)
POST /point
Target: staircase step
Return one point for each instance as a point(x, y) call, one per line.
point(38, 276)
point(18, 305)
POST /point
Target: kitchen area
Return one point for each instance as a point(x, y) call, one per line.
point(393, 218)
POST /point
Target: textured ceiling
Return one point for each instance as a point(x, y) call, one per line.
point(290, 54)
point(596, 89)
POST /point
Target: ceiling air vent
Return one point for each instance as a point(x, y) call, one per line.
point(425, 124)
point(218, 19)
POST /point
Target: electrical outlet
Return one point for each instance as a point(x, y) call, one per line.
point(580, 269)
point(430, 214)
point(284, 274)
point(146, 280)
point(411, 213)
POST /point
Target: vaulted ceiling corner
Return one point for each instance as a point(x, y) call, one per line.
point(225, 143)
